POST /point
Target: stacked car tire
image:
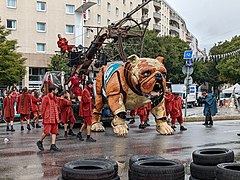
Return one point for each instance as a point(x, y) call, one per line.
point(205, 161)
point(228, 171)
point(90, 168)
point(155, 168)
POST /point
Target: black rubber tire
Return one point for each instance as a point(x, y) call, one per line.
point(203, 172)
point(157, 169)
point(227, 171)
point(136, 158)
point(88, 169)
point(114, 163)
point(193, 178)
point(212, 156)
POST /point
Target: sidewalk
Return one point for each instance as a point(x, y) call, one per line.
point(224, 113)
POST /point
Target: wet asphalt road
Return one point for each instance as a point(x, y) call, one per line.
point(20, 158)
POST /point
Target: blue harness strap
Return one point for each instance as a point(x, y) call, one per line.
point(109, 72)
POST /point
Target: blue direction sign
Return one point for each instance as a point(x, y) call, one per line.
point(188, 54)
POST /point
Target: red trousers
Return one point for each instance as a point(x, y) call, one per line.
point(179, 119)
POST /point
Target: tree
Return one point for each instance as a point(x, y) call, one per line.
point(12, 67)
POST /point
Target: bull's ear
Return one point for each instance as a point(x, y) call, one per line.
point(133, 59)
point(161, 59)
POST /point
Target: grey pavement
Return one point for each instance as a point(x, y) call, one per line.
point(21, 160)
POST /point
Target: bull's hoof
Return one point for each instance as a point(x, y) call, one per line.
point(163, 128)
point(120, 130)
point(97, 127)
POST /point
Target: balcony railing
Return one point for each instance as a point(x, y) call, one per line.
point(157, 15)
point(174, 28)
point(157, 27)
point(157, 4)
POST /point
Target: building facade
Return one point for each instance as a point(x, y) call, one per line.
point(36, 23)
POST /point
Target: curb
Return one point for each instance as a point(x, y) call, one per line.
point(215, 118)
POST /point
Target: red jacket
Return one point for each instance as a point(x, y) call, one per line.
point(50, 109)
point(168, 102)
point(176, 107)
point(75, 81)
point(65, 109)
point(86, 103)
point(24, 103)
point(8, 105)
point(35, 104)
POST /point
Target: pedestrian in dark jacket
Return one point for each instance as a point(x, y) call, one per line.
point(210, 107)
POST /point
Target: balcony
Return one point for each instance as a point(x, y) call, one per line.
point(157, 16)
point(146, 7)
point(144, 18)
point(157, 27)
point(174, 28)
point(157, 4)
point(174, 18)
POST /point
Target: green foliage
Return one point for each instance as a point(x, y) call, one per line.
point(229, 68)
point(12, 67)
point(59, 63)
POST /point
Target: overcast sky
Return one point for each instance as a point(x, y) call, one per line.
point(210, 21)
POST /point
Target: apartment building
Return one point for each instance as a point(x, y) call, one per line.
point(36, 23)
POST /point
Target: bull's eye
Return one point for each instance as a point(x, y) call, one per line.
point(146, 73)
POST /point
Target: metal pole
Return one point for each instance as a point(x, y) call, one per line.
point(187, 82)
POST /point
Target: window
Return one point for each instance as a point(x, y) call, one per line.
point(69, 9)
point(124, 1)
point(11, 24)
point(117, 11)
point(11, 3)
point(41, 47)
point(41, 6)
point(41, 27)
point(69, 29)
point(108, 22)
point(99, 2)
point(98, 19)
point(108, 7)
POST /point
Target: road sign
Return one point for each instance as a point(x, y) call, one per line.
point(187, 70)
point(188, 80)
point(188, 54)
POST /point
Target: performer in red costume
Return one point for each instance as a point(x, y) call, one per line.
point(148, 108)
point(8, 105)
point(66, 113)
point(76, 89)
point(63, 44)
point(168, 101)
point(35, 110)
point(50, 118)
point(142, 112)
point(23, 107)
point(86, 109)
point(176, 112)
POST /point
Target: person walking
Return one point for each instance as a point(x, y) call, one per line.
point(142, 112)
point(66, 113)
point(35, 109)
point(8, 105)
point(50, 118)
point(210, 107)
point(86, 110)
point(24, 104)
point(176, 112)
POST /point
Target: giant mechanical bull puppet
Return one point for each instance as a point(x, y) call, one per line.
point(128, 86)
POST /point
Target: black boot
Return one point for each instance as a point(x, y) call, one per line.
point(173, 127)
point(28, 127)
point(7, 129)
point(182, 128)
point(33, 124)
point(22, 128)
point(142, 126)
point(40, 146)
point(65, 134)
point(79, 135)
point(90, 139)
point(12, 128)
point(54, 148)
point(38, 126)
point(71, 133)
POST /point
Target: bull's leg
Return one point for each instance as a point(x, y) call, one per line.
point(161, 121)
point(96, 125)
point(118, 108)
